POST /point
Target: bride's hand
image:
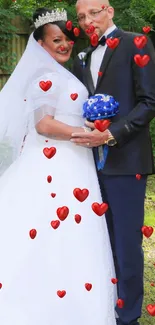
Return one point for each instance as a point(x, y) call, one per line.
point(90, 124)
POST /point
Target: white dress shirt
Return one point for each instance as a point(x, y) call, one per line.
point(98, 55)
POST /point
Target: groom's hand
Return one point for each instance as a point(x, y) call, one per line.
point(90, 124)
point(94, 138)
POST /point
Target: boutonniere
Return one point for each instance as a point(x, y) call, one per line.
point(82, 56)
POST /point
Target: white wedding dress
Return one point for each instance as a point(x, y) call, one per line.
point(74, 260)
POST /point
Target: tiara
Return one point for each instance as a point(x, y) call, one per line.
point(50, 17)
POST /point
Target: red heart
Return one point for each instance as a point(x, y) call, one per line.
point(152, 284)
point(45, 85)
point(61, 294)
point(138, 176)
point(94, 39)
point(120, 303)
point(141, 60)
point(46, 140)
point(62, 213)
point(102, 125)
point(100, 73)
point(151, 309)
point(112, 42)
point(114, 280)
point(71, 42)
point(81, 195)
point(147, 231)
point(1, 285)
point(69, 25)
point(55, 224)
point(100, 209)
point(76, 31)
point(74, 96)
point(49, 152)
point(90, 29)
point(146, 29)
point(49, 179)
point(62, 48)
point(53, 195)
point(33, 233)
point(140, 41)
point(88, 286)
point(77, 218)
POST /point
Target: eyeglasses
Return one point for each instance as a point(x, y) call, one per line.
point(92, 15)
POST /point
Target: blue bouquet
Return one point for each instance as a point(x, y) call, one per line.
point(100, 107)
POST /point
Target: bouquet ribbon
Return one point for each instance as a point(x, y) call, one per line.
point(101, 154)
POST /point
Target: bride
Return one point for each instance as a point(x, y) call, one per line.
point(55, 257)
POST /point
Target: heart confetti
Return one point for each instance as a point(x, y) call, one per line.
point(61, 294)
point(151, 309)
point(45, 85)
point(76, 31)
point(100, 73)
point(49, 152)
point(74, 96)
point(141, 60)
point(88, 286)
point(94, 39)
point(1, 285)
point(112, 42)
point(114, 280)
point(53, 195)
point(77, 218)
point(55, 224)
point(146, 29)
point(138, 176)
point(120, 303)
point(69, 25)
point(140, 41)
point(62, 48)
point(152, 284)
point(49, 178)
point(101, 125)
point(33, 233)
point(90, 30)
point(62, 213)
point(147, 231)
point(100, 209)
point(81, 195)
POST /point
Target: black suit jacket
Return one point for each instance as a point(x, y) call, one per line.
point(134, 88)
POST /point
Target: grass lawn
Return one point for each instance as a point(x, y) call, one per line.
point(149, 251)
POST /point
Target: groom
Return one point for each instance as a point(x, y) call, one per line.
point(123, 179)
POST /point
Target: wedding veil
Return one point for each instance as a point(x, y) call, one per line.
point(14, 108)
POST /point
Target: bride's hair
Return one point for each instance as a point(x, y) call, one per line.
point(40, 32)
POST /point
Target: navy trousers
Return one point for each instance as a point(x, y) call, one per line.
point(125, 217)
